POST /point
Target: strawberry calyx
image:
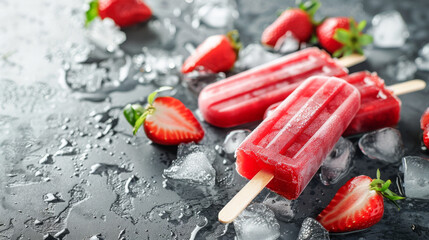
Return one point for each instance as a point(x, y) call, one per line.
point(234, 39)
point(91, 13)
point(310, 7)
point(353, 39)
point(136, 114)
point(382, 187)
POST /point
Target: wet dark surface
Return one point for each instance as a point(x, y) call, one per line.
point(102, 180)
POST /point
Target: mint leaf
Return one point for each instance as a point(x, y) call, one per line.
point(152, 96)
point(92, 12)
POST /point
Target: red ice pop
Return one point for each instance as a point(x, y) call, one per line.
point(292, 142)
point(244, 97)
point(379, 105)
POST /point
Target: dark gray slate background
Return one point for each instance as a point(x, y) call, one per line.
point(36, 112)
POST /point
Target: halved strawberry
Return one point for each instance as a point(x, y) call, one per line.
point(341, 36)
point(426, 137)
point(216, 54)
point(123, 12)
point(298, 21)
point(166, 120)
point(424, 120)
point(357, 205)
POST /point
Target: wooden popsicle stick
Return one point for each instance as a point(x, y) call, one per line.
point(351, 60)
point(240, 201)
point(407, 87)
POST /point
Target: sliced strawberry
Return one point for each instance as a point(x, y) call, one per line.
point(172, 123)
point(341, 36)
point(216, 54)
point(357, 205)
point(424, 120)
point(166, 120)
point(123, 12)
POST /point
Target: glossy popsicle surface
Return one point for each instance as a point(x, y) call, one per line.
point(379, 107)
point(244, 97)
point(293, 141)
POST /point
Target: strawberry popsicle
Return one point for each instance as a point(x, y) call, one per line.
point(292, 142)
point(244, 97)
point(379, 106)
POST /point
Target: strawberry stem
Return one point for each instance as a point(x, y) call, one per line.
point(383, 188)
point(234, 38)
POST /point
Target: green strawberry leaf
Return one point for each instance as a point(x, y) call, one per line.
point(152, 96)
point(310, 7)
point(234, 38)
point(343, 36)
point(383, 188)
point(352, 39)
point(365, 39)
point(339, 52)
point(140, 121)
point(130, 114)
point(361, 26)
point(92, 12)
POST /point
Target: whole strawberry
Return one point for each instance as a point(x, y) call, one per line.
point(424, 125)
point(424, 120)
point(341, 36)
point(166, 120)
point(357, 205)
point(298, 21)
point(216, 54)
point(123, 12)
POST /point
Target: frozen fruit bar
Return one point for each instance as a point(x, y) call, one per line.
point(244, 97)
point(379, 107)
point(292, 142)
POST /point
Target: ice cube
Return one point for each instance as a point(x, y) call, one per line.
point(234, 139)
point(337, 163)
point(105, 34)
point(257, 222)
point(312, 230)
point(85, 77)
point(384, 144)
point(215, 13)
point(193, 164)
point(282, 207)
point(389, 30)
point(254, 55)
point(416, 177)
point(402, 70)
point(422, 61)
point(197, 80)
point(159, 66)
point(184, 149)
point(287, 43)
